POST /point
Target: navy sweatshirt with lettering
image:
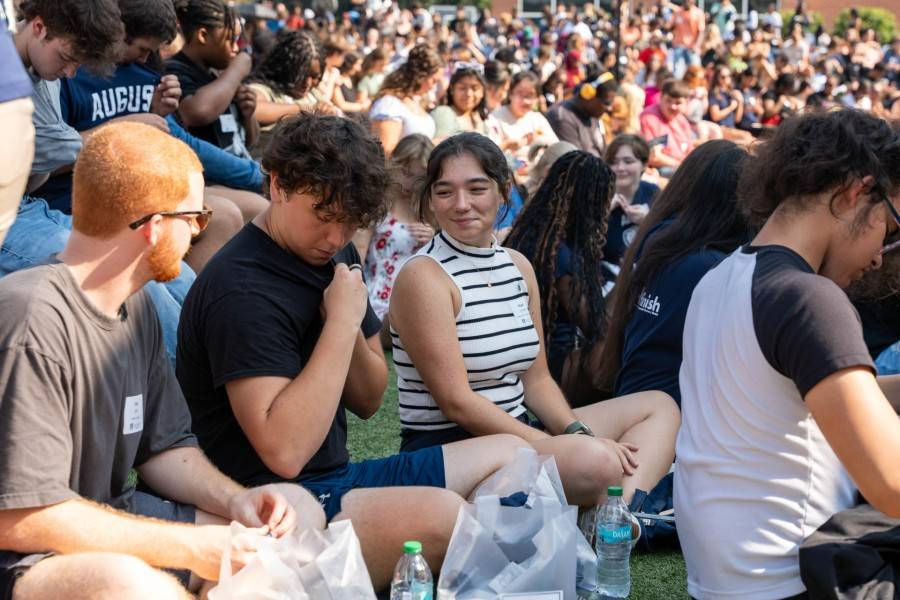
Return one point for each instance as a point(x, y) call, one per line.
point(651, 352)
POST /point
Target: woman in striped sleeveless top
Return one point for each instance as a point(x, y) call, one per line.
point(469, 350)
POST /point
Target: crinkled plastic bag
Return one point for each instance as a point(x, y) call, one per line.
point(504, 549)
point(308, 565)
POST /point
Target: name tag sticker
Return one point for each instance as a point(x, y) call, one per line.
point(228, 123)
point(520, 311)
point(558, 595)
point(133, 420)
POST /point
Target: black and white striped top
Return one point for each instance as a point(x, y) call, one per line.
point(494, 327)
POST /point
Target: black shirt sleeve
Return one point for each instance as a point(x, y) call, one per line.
point(806, 326)
point(248, 334)
point(187, 76)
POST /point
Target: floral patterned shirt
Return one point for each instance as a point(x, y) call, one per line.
point(391, 246)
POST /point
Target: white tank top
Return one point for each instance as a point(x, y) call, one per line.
point(494, 327)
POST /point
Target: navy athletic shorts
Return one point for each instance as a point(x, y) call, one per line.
point(425, 468)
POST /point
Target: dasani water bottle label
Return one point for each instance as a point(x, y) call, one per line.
point(611, 535)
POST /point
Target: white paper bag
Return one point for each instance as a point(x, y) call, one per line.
point(505, 549)
point(309, 565)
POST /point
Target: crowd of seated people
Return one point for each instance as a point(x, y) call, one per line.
point(216, 243)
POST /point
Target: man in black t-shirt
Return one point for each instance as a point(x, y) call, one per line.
point(277, 338)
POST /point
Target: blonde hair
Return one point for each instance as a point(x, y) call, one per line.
point(550, 155)
point(125, 171)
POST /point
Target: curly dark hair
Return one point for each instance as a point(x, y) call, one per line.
point(289, 61)
point(570, 208)
point(333, 158)
point(818, 152)
point(149, 19)
point(209, 14)
point(421, 64)
point(93, 26)
point(479, 147)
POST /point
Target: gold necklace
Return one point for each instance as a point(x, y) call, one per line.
point(478, 270)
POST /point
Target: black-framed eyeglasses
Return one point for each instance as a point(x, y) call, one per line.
point(892, 242)
point(199, 217)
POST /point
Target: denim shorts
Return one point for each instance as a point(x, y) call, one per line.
point(422, 468)
point(14, 565)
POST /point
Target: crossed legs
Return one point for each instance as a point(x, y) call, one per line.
point(384, 518)
point(587, 466)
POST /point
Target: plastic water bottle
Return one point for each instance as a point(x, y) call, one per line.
point(412, 576)
point(613, 546)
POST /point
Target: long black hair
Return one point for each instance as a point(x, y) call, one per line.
point(571, 207)
point(289, 61)
point(702, 199)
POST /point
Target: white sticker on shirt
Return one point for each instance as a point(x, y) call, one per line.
point(228, 123)
point(133, 420)
point(520, 307)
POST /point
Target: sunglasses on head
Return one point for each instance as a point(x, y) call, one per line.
point(199, 217)
point(468, 66)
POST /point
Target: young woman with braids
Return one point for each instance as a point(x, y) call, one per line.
point(562, 232)
point(215, 104)
point(693, 224)
point(398, 110)
point(283, 80)
point(466, 324)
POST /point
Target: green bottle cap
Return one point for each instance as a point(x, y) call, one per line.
point(613, 490)
point(413, 547)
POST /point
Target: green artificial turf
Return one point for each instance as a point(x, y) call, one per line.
point(659, 576)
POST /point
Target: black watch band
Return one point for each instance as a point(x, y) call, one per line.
point(579, 427)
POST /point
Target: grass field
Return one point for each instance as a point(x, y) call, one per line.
point(654, 577)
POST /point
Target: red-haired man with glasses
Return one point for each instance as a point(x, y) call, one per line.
point(89, 395)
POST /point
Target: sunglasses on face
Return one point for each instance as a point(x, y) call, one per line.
point(892, 241)
point(200, 218)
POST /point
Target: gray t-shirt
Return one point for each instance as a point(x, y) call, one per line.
point(575, 127)
point(56, 143)
point(85, 397)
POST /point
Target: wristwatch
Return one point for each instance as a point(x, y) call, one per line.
point(579, 427)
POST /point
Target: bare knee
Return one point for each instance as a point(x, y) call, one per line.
point(97, 576)
point(663, 406)
point(441, 510)
point(309, 512)
point(596, 467)
point(508, 445)
point(227, 219)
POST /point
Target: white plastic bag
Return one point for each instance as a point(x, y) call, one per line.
point(310, 565)
point(505, 549)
